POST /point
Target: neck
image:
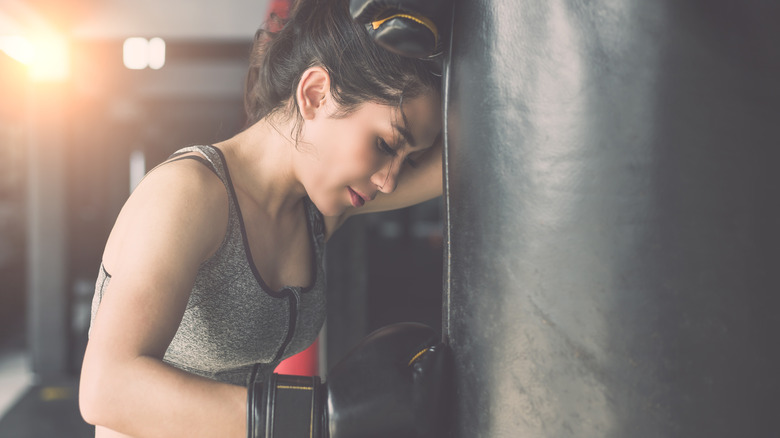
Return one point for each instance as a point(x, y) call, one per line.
point(261, 161)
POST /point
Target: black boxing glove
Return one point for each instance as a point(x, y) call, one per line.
point(412, 28)
point(393, 384)
point(285, 406)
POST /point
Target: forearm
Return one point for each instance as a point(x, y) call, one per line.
point(145, 397)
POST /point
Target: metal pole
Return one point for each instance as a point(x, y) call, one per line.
point(46, 241)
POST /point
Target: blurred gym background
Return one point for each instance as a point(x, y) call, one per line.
point(94, 93)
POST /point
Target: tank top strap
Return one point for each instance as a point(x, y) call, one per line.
point(208, 155)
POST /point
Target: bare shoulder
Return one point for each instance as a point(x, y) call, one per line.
point(181, 205)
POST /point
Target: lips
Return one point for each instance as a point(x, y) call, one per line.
point(357, 200)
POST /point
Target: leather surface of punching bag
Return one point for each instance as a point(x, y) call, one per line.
point(612, 194)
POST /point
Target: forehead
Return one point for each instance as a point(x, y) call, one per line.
point(420, 116)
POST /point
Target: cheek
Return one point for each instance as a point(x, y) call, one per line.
point(344, 151)
point(354, 158)
point(364, 158)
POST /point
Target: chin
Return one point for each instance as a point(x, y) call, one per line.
point(329, 208)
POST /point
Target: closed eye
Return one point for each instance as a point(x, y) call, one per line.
point(382, 145)
point(386, 149)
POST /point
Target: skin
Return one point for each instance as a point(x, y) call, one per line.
point(177, 218)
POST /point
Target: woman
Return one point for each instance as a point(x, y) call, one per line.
point(215, 261)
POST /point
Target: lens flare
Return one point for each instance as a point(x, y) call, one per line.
point(46, 56)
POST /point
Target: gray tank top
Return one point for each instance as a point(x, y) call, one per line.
point(233, 320)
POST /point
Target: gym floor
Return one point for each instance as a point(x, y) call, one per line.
point(28, 410)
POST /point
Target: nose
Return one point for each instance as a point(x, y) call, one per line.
point(386, 179)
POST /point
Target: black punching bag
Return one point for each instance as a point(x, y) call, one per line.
point(612, 265)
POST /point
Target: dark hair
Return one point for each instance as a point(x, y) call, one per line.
point(322, 33)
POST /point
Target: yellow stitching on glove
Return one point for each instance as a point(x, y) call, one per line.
point(417, 356)
point(311, 419)
point(422, 20)
point(306, 388)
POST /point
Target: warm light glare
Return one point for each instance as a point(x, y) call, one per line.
point(135, 53)
point(156, 53)
point(46, 55)
point(18, 48)
point(139, 53)
point(51, 60)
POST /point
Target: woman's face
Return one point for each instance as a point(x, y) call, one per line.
point(347, 161)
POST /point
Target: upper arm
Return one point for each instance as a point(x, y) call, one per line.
point(415, 185)
point(171, 223)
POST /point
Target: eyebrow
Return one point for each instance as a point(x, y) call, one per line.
point(405, 133)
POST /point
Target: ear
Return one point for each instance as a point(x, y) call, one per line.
point(312, 92)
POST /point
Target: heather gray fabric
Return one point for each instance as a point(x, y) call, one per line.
point(233, 320)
